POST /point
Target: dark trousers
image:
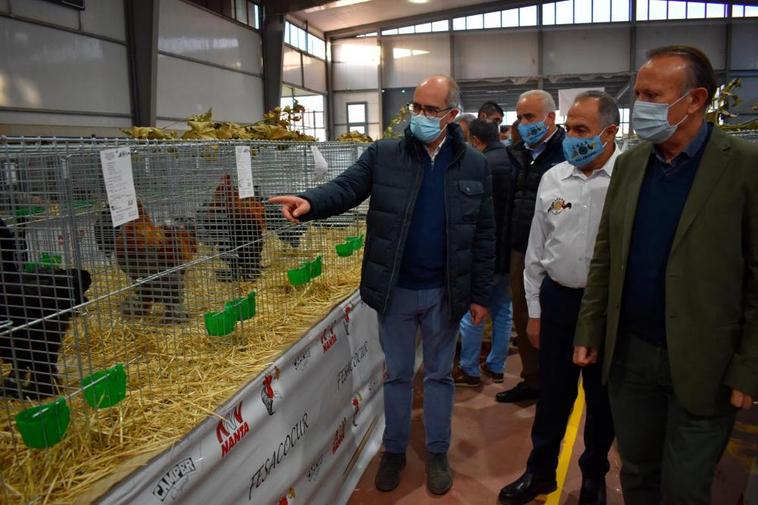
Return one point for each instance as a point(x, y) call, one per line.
point(669, 456)
point(530, 363)
point(559, 382)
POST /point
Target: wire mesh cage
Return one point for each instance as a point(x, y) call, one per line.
point(198, 272)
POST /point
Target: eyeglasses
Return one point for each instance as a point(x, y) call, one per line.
point(427, 110)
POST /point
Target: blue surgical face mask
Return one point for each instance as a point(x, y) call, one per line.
point(533, 132)
point(651, 120)
point(581, 151)
point(424, 128)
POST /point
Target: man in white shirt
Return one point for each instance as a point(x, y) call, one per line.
point(561, 240)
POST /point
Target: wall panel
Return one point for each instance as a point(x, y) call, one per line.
point(315, 73)
point(188, 31)
point(356, 64)
point(45, 68)
point(495, 54)
point(105, 17)
point(591, 50)
point(408, 60)
point(186, 88)
point(744, 44)
point(709, 38)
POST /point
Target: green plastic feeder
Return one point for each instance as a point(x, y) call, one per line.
point(50, 260)
point(344, 250)
point(355, 242)
point(105, 388)
point(82, 204)
point(45, 425)
point(29, 211)
point(299, 276)
point(242, 308)
point(315, 267)
point(219, 324)
point(32, 266)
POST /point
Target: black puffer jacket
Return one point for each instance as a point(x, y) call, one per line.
point(390, 172)
point(528, 175)
point(502, 202)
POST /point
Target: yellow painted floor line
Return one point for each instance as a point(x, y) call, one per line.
point(569, 439)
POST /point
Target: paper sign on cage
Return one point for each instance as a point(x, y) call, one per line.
point(119, 184)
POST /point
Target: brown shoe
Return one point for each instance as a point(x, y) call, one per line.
point(464, 380)
point(497, 378)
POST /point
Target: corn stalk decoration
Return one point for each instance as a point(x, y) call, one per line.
point(720, 109)
point(276, 125)
point(396, 126)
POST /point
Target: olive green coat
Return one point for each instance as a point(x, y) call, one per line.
point(711, 276)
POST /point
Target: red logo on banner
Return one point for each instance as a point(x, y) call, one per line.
point(267, 391)
point(339, 436)
point(289, 499)
point(328, 339)
point(357, 400)
point(231, 429)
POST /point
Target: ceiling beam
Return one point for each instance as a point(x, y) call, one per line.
point(432, 15)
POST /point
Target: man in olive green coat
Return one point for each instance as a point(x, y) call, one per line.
point(671, 302)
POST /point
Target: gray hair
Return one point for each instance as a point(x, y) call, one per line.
point(607, 107)
point(465, 118)
point(548, 102)
point(453, 93)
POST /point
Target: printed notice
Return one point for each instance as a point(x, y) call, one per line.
point(119, 184)
point(244, 172)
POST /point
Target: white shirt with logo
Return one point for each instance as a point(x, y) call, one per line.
point(562, 236)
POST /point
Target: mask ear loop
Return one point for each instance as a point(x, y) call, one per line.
point(686, 93)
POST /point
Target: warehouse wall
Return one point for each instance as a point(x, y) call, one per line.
point(499, 64)
point(355, 78)
point(69, 76)
point(206, 61)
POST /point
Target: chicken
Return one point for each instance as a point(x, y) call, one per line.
point(143, 250)
point(236, 226)
point(26, 298)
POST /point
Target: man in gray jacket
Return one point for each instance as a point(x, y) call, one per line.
point(429, 259)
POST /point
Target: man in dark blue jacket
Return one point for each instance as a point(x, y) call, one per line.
point(428, 260)
point(485, 137)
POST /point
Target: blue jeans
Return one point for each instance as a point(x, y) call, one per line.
point(409, 311)
point(471, 335)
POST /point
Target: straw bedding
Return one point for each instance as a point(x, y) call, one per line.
point(177, 375)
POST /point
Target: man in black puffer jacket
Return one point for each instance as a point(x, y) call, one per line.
point(541, 148)
point(428, 260)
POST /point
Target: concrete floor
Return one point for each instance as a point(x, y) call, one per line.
point(489, 449)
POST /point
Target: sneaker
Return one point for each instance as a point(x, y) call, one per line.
point(522, 392)
point(497, 378)
point(464, 380)
point(388, 475)
point(438, 478)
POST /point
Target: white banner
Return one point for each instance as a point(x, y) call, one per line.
point(300, 433)
point(566, 97)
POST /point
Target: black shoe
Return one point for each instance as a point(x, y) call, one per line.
point(438, 478)
point(526, 489)
point(462, 379)
point(592, 492)
point(497, 378)
point(520, 393)
point(388, 475)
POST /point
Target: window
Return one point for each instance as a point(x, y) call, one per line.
point(244, 11)
point(306, 42)
point(357, 117)
point(569, 12)
point(655, 10)
point(312, 122)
